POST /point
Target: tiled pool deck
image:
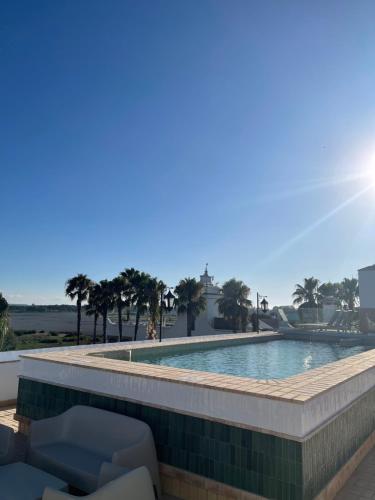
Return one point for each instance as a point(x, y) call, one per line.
point(298, 388)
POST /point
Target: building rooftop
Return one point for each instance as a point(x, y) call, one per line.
point(368, 268)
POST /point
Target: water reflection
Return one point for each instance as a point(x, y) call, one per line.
point(274, 359)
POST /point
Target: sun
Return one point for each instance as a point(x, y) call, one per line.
point(368, 173)
point(370, 176)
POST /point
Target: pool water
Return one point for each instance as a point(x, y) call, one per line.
point(274, 359)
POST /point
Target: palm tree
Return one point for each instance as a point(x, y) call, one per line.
point(4, 322)
point(119, 287)
point(140, 298)
point(349, 292)
point(106, 301)
point(234, 303)
point(129, 275)
point(93, 306)
point(78, 288)
point(308, 294)
point(329, 291)
point(190, 299)
point(154, 289)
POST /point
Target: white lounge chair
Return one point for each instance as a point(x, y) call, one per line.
point(6, 444)
point(74, 445)
point(135, 485)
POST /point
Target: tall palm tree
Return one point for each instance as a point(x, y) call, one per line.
point(106, 300)
point(308, 294)
point(78, 288)
point(129, 275)
point(140, 297)
point(119, 288)
point(154, 289)
point(349, 292)
point(93, 306)
point(190, 299)
point(4, 322)
point(234, 303)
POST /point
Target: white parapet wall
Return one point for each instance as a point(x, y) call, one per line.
point(10, 366)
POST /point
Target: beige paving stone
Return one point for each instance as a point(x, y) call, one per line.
point(361, 485)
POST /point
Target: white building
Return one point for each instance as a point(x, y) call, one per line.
point(211, 294)
point(366, 281)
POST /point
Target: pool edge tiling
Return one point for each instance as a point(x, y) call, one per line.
point(297, 410)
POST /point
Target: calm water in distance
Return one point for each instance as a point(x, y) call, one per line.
point(274, 359)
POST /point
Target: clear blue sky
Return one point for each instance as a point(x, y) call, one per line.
point(167, 134)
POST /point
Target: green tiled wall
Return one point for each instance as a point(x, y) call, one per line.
point(263, 464)
point(330, 448)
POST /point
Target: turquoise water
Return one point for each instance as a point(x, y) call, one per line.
point(274, 359)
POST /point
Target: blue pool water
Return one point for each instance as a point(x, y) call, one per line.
point(274, 359)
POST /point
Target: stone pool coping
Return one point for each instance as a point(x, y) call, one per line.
point(298, 389)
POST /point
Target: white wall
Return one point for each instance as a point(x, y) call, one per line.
point(10, 366)
point(367, 288)
point(8, 381)
point(63, 321)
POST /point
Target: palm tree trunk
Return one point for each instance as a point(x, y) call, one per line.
point(119, 317)
point(136, 324)
point(351, 301)
point(189, 323)
point(95, 325)
point(105, 327)
point(78, 321)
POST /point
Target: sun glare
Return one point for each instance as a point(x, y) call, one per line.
point(368, 171)
point(369, 175)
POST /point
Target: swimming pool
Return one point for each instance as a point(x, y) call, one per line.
point(284, 438)
point(276, 359)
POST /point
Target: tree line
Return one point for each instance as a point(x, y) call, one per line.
point(313, 293)
point(134, 289)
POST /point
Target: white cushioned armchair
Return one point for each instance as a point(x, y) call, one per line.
point(74, 445)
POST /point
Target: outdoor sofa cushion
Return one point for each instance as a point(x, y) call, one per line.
point(74, 445)
point(79, 467)
point(135, 485)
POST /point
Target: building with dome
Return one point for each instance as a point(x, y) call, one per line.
point(211, 293)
